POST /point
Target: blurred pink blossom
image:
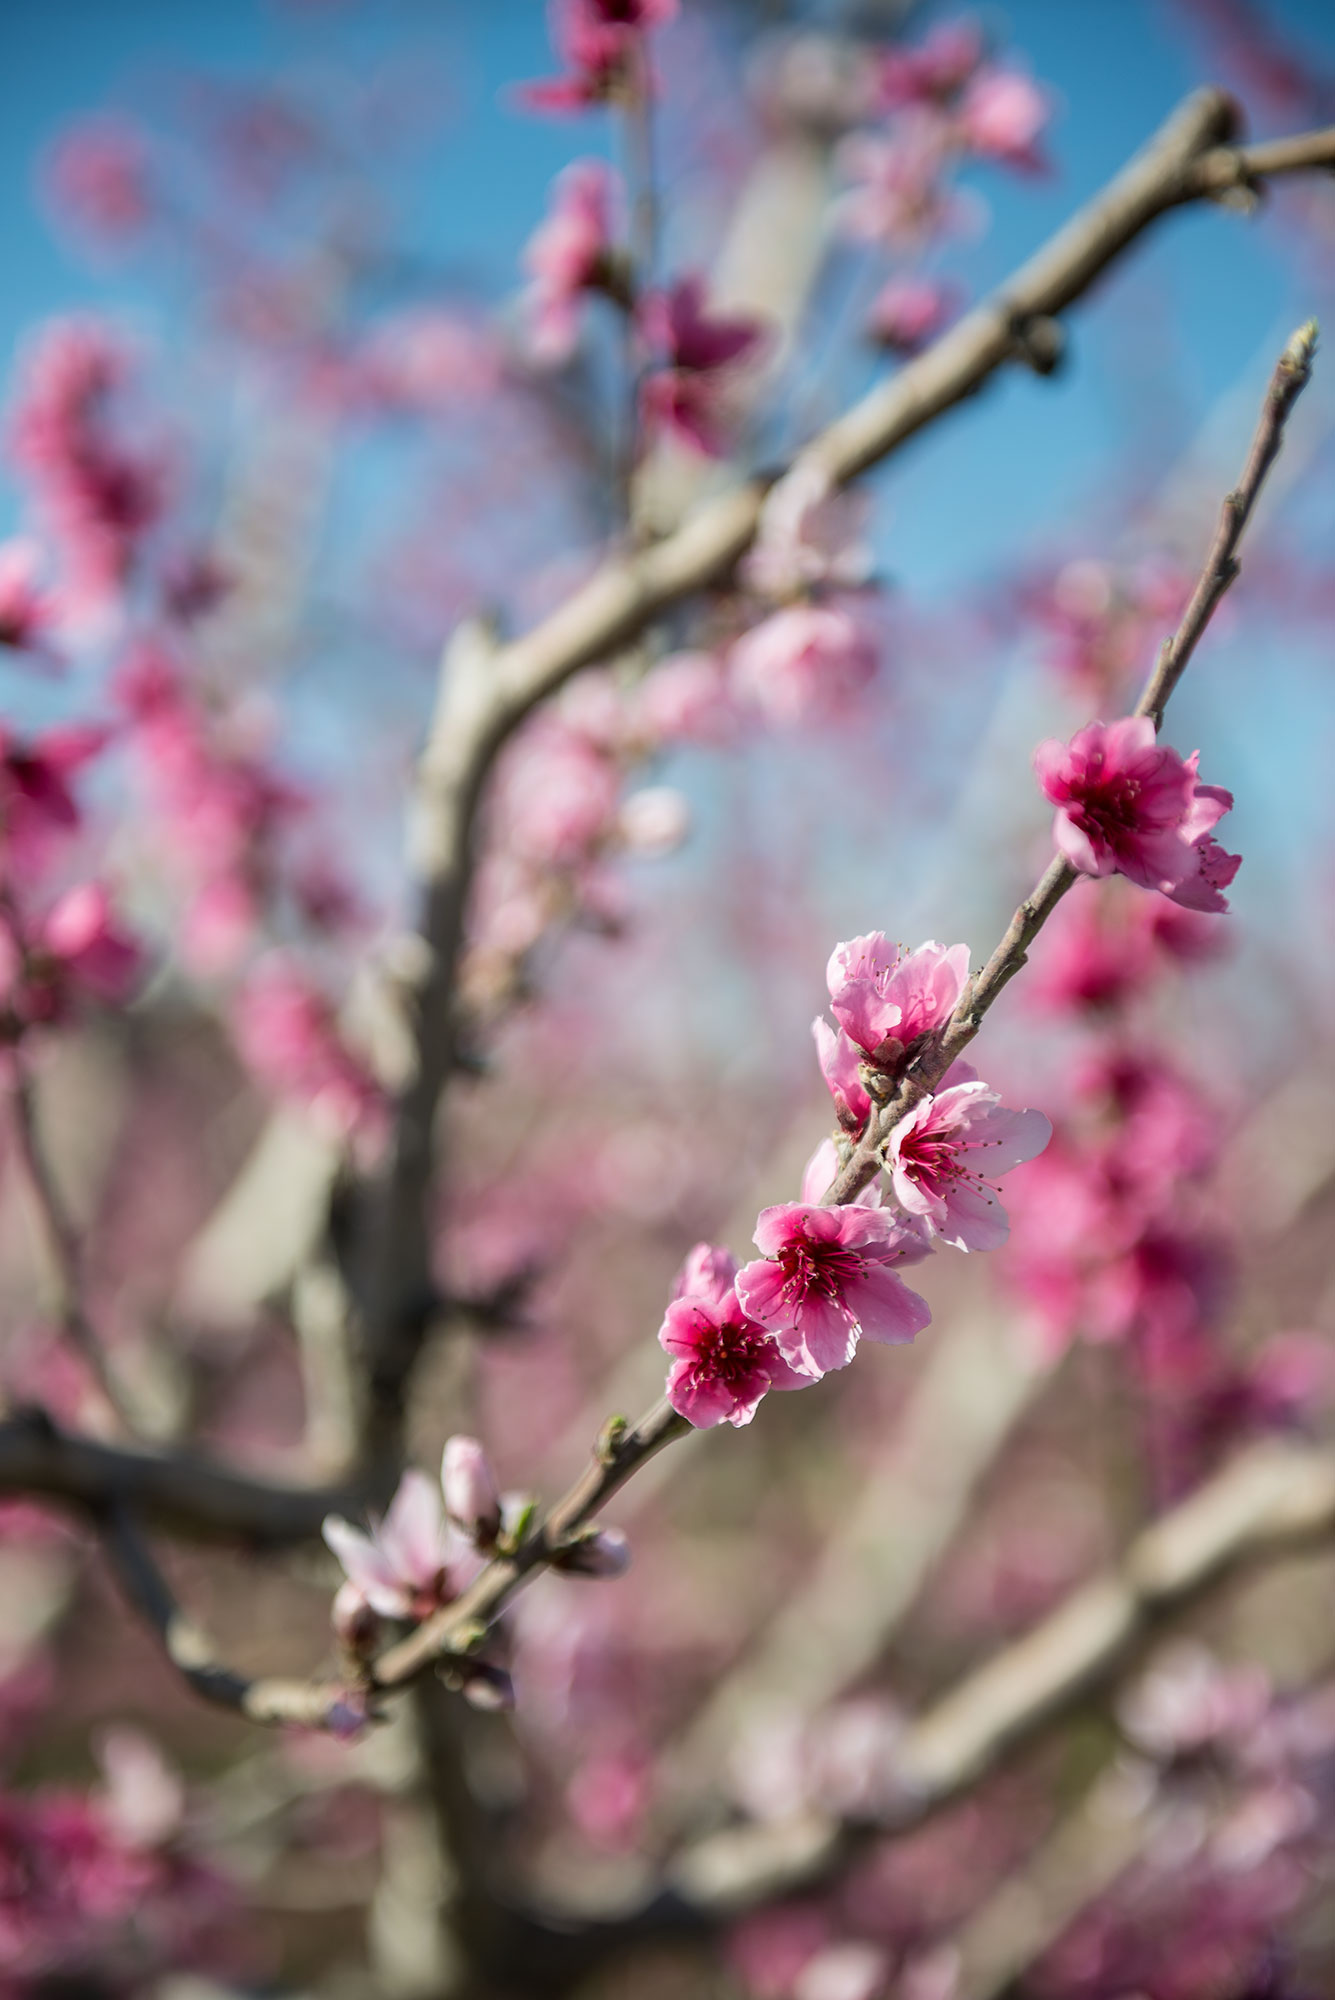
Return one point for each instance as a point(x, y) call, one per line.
point(909, 311)
point(808, 661)
point(697, 353)
point(568, 255)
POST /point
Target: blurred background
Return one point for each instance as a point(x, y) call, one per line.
point(272, 268)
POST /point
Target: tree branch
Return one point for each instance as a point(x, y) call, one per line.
point(1266, 1502)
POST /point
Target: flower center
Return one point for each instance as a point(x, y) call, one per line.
point(821, 1270)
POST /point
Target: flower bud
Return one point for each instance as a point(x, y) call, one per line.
point(471, 1498)
point(354, 1622)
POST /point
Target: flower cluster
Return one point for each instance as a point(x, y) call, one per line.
point(603, 45)
point(829, 1276)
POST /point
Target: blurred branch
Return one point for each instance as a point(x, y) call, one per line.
point(1266, 1502)
point(63, 1238)
point(176, 1489)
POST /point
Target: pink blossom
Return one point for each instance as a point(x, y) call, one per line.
point(37, 806)
point(839, 1059)
point(939, 1153)
point(806, 661)
point(818, 1177)
point(600, 41)
point(472, 1500)
point(423, 359)
point(827, 1276)
point(287, 1033)
point(402, 1568)
point(897, 193)
point(698, 352)
point(810, 533)
point(723, 1362)
point(686, 699)
point(97, 175)
point(25, 610)
point(569, 255)
point(885, 998)
point(90, 951)
point(1003, 113)
point(558, 794)
point(655, 820)
point(909, 311)
point(1129, 805)
point(934, 70)
point(608, 1797)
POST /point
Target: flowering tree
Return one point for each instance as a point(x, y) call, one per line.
point(333, 1172)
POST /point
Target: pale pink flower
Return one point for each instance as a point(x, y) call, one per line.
point(1003, 113)
point(288, 1035)
point(1131, 806)
point(909, 311)
point(940, 1154)
point(885, 998)
point(898, 194)
point(819, 1174)
point(806, 661)
point(810, 533)
point(472, 1499)
point(654, 820)
point(93, 953)
point(608, 1796)
point(828, 1276)
point(839, 1059)
point(402, 1567)
point(723, 1362)
point(699, 352)
point(569, 254)
point(686, 699)
point(558, 794)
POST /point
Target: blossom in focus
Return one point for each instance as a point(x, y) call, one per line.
point(884, 998)
point(827, 1276)
point(1129, 805)
point(804, 662)
point(909, 311)
point(809, 534)
point(723, 1362)
point(569, 254)
point(839, 1059)
point(402, 1567)
point(942, 1152)
point(698, 352)
point(1002, 113)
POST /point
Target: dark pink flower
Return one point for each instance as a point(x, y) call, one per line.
point(941, 1153)
point(26, 611)
point(934, 70)
point(1131, 806)
point(697, 351)
point(828, 1276)
point(569, 255)
point(884, 998)
point(90, 950)
point(37, 805)
point(723, 1362)
point(288, 1035)
point(806, 661)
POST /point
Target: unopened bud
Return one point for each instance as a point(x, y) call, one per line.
point(355, 1623)
point(471, 1498)
point(597, 1552)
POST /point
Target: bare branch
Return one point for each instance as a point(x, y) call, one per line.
point(1266, 1502)
point(176, 1489)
